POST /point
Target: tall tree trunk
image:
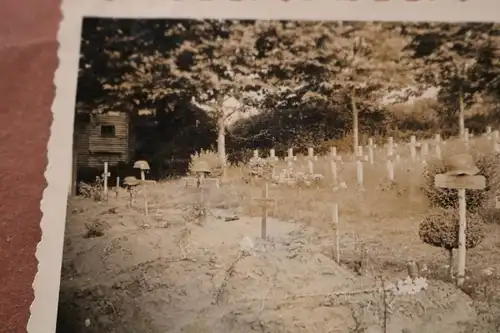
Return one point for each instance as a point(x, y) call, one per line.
point(355, 134)
point(461, 116)
point(221, 139)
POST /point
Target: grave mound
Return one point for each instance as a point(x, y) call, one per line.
point(221, 277)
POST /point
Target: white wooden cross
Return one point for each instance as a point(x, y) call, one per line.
point(333, 164)
point(256, 153)
point(289, 159)
point(390, 146)
point(413, 148)
point(461, 183)
point(424, 151)
point(488, 132)
point(359, 167)
point(273, 159)
point(272, 155)
point(437, 147)
point(265, 202)
point(105, 176)
point(310, 159)
point(335, 220)
point(371, 148)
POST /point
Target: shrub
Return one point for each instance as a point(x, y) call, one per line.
point(477, 200)
point(211, 158)
point(260, 167)
point(440, 227)
point(93, 190)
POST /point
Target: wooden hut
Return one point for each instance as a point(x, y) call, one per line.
point(105, 137)
point(98, 138)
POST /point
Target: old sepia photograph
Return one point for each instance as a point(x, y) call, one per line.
point(284, 176)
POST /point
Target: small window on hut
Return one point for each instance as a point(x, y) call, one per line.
point(108, 130)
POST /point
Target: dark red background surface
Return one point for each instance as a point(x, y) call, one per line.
point(28, 59)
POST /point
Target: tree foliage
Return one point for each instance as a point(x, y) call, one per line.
point(301, 83)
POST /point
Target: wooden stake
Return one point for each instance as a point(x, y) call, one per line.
point(105, 176)
point(333, 169)
point(146, 209)
point(310, 159)
point(359, 171)
point(335, 220)
point(370, 151)
point(117, 185)
point(413, 150)
point(462, 251)
point(289, 159)
point(390, 168)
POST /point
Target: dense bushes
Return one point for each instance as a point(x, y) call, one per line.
point(440, 228)
point(477, 200)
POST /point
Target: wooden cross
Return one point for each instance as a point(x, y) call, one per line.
point(371, 148)
point(424, 151)
point(461, 183)
point(310, 159)
point(335, 220)
point(359, 158)
point(117, 185)
point(105, 176)
point(390, 146)
point(256, 153)
point(413, 148)
point(289, 159)
point(265, 202)
point(488, 132)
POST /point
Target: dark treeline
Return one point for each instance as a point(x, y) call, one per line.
point(309, 81)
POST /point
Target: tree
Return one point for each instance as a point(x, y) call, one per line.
point(337, 62)
point(212, 63)
point(457, 58)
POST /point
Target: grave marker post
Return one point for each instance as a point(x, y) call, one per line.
point(425, 151)
point(462, 176)
point(413, 148)
point(105, 176)
point(437, 145)
point(390, 146)
point(256, 153)
point(335, 220)
point(371, 147)
point(289, 159)
point(359, 167)
point(117, 185)
point(265, 202)
point(488, 132)
point(310, 159)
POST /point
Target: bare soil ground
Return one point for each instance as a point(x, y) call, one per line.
point(125, 272)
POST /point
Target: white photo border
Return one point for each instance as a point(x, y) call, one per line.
point(58, 173)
